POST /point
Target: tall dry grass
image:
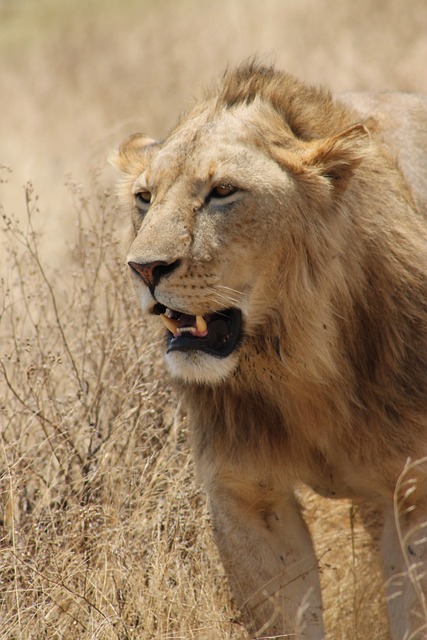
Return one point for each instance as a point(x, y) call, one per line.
point(103, 533)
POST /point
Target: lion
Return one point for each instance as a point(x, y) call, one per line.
point(279, 233)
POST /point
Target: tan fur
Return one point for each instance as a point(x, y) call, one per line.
point(324, 250)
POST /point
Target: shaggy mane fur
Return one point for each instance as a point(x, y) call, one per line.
point(310, 112)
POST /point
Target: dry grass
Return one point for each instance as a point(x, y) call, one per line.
point(103, 533)
point(102, 530)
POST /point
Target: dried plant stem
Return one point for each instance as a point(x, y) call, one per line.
point(32, 248)
point(14, 545)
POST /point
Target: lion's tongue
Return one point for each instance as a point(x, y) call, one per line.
point(193, 325)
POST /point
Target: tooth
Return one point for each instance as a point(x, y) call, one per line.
point(201, 324)
point(170, 324)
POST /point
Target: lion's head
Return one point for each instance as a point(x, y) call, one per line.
point(233, 211)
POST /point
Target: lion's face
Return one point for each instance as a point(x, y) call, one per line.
point(216, 215)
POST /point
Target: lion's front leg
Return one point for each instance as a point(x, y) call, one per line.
point(268, 554)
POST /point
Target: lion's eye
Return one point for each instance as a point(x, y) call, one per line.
point(222, 190)
point(143, 199)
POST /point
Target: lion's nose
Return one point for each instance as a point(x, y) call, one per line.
point(153, 272)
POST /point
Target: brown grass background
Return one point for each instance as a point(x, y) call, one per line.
point(103, 532)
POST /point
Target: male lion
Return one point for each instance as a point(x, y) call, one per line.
point(280, 234)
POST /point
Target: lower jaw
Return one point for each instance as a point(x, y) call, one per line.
point(197, 367)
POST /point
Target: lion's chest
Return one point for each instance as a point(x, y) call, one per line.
point(260, 442)
point(342, 477)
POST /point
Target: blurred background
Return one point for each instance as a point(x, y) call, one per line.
point(76, 76)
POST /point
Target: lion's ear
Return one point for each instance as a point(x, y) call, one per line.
point(130, 157)
point(337, 157)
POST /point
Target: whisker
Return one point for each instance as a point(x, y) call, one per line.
point(223, 286)
point(217, 297)
point(227, 293)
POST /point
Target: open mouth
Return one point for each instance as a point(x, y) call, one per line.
point(216, 334)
